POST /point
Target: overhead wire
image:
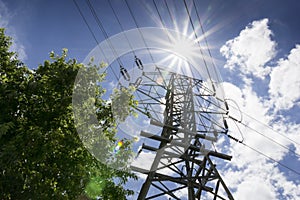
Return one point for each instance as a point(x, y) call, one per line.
point(206, 42)
point(159, 15)
point(241, 141)
point(163, 24)
point(219, 77)
point(161, 20)
point(271, 139)
point(265, 155)
point(170, 13)
point(120, 24)
point(196, 37)
point(100, 25)
point(89, 28)
point(241, 134)
point(136, 24)
point(269, 127)
point(258, 132)
point(269, 157)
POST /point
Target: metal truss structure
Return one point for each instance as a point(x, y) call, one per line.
point(190, 117)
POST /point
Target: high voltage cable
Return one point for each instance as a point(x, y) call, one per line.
point(87, 24)
point(85, 21)
point(286, 137)
point(267, 137)
point(171, 16)
point(174, 23)
point(263, 154)
point(175, 26)
point(269, 157)
point(90, 30)
point(196, 37)
point(161, 20)
point(159, 15)
point(120, 24)
point(283, 146)
point(256, 131)
point(272, 140)
point(136, 24)
point(293, 141)
point(200, 48)
point(100, 25)
point(206, 42)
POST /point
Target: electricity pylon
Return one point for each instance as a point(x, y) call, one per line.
point(191, 117)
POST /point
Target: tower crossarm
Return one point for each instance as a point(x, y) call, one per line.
point(190, 120)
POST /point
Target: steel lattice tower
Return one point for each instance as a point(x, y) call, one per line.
point(191, 120)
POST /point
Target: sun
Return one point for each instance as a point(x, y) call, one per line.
point(181, 49)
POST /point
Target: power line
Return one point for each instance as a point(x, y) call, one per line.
point(206, 42)
point(285, 147)
point(269, 157)
point(240, 121)
point(161, 20)
point(191, 21)
point(136, 24)
point(263, 154)
point(159, 15)
point(120, 24)
point(269, 127)
point(258, 132)
point(100, 25)
point(92, 33)
point(169, 11)
point(85, 21)
point(88, 26)
point(196, 37)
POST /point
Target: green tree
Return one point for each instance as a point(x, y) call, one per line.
point(41, 154)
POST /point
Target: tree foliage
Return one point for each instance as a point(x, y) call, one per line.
point(41, 154)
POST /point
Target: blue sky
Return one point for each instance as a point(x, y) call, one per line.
point(43, 26)
point(255, 46)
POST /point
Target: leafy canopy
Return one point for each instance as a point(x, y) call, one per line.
point(41, 154)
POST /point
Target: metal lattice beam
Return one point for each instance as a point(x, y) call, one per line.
point(192, 117)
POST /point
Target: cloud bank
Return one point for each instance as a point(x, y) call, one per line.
point(251, 50)
point(251, 174)
point(284, 86)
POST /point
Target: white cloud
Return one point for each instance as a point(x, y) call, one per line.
point(182, 194)
point(252, 105)
point(144, 161)
point(251, 50)
point(5, 18)
point(252, 181)
point(284, 85)
point(249, 172)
